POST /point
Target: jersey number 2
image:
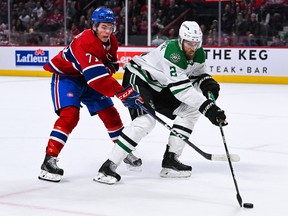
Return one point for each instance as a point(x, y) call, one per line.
point(173, 71)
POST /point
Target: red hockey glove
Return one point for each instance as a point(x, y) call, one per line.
point(112, 67)
point(129, 96)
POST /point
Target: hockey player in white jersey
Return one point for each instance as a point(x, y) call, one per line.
point(172, 79)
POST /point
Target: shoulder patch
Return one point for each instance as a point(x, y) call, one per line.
point(174, 54)
point(175, 57)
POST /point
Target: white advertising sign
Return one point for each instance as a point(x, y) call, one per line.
point(247, 62)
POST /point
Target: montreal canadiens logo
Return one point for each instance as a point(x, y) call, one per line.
point(175, 57)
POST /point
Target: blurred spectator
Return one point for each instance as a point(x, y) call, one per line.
point(25, 18)
point(276, 23)
point(229, 12)
point(213, 33)
point(120, 35)
point(46, 39)
point(144, 10)
point(240, 26)
point(3, 39)
point(134, 8)
point(15, 36)
point(60, 37)
point(74, 30)
point(172, 34)
point(250, 41)
point(233, 7)
point(134, 30)
point(19, 26)
point(80, 5)
point(233, 39)
point(204, 31)
point(159, 21)
point(277, 41)
point(214, 25)
point(253, 25)
point(173, 10)
point(161, 5)
point(40, 24)
point(211, 42)
point(28, 6)
point(263, 15)
point(158, 39)
point(143, 28)
point(33, 17)
point(38, 9)
point(3, 26)
point(133, 27)
point(88, 17)
point(82, 23)
point(226, 41)
point(4, 11)
point(70, 11)
point(32, 38)
point(226, 25)
point(55, 20)
point(156, 26)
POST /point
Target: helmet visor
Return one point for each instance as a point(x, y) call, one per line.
point(191, 44)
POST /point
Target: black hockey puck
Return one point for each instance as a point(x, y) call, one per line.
point(248, 205)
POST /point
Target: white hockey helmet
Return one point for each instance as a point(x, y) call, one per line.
point(190, 31)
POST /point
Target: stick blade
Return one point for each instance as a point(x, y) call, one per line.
point(239, 198)
point(223, 157)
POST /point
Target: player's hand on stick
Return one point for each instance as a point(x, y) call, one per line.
point(213, 113)
point(112, 68)
point(130, 97)
point(208, 84)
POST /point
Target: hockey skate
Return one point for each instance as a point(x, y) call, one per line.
point(50, 171)
point(132, 162)
point(173, 168)
point(107, 174)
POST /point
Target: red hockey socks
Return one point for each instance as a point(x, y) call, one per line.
point(112, 122)
point(67, 121)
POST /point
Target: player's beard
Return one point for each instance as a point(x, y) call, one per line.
point(190, 55)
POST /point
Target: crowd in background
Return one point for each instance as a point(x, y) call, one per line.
point(243, 23)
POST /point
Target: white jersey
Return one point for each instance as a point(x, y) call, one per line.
point(167, 66)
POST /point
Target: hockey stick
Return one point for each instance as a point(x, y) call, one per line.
point(212, 157)
point(238, 196)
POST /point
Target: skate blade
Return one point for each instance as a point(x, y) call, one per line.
point(105, 179)
point(44, 175)
point(170, 173)
point(133, 168)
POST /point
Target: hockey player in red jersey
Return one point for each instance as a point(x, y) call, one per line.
point(82, 73)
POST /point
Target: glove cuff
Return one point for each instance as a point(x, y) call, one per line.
point(124, 93)
point(206, 106)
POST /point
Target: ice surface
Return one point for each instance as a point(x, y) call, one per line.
point(257, 131)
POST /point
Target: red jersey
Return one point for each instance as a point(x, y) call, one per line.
point(86, 56)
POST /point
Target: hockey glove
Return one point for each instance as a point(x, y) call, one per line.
point(129, 96)
point(112, 67)
point(213, 113)
point(208, 84)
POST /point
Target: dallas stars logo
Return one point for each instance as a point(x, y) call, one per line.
point(175, 57)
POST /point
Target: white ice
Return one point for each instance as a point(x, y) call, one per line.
point(257, 131)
